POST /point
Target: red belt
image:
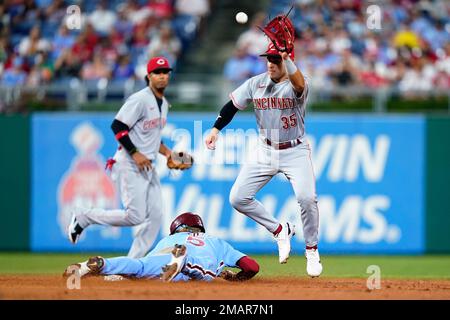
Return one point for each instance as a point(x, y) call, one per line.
point(283, 145)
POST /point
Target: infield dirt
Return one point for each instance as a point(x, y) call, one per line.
point(283, 288)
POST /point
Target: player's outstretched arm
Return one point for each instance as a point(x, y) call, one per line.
point(295, 76)
point(223, 119)
point(249, 268)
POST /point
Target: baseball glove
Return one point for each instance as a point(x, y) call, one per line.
point(180, 160)
point(281, 32)
point(228, 275)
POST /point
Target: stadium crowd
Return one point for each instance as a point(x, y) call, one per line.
point(336, 45)
point(114, 41)
point(410, 51)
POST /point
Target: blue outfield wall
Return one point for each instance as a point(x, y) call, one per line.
point(369, 170)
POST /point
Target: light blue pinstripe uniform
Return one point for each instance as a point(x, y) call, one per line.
point(205, 259)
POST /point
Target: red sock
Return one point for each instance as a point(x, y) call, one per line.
point(278, 230)
point(313, 247)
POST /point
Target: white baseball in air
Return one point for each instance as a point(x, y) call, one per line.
point(241, 17)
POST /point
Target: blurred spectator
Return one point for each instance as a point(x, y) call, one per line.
point(63, 40)
point(406, 37)
point(370, 78)
point(238, 68)
point(71, 60)
point(194, 8)
point(95, 70)
point(3, 22)
point(68, 64)
point(254, 41)
point(190, 19)
point(91, 38)
point(33, 44)
point(140, 37)
point(161, 9)
point(346, 72)
point(339, 41)
point(417, 79)
point(43, 3)
point(123, 26)
point(436, 35)
point(134, 12)
point(108, 51)
point(25, 16)
point(3, 53)
point(102, 19)
point(124, 69)
point(443, 62)
point(166, 44)
point(42, 71)
point(14, 76)
point(55, 13)
point(82, 49)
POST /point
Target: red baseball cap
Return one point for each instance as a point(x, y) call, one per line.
point(158, 63)
point(272, 51)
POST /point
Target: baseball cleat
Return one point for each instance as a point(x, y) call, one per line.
point(74, 230)
point(313, 265)
point(93, 266)
point(283, 239)
point(172, 269)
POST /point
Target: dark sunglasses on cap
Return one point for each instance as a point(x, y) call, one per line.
point(159, 71)
point(274, 59)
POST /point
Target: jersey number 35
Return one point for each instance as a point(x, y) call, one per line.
point(289, 122)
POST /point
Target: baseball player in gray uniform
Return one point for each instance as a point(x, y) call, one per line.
point(279, 98)
point(137, 127)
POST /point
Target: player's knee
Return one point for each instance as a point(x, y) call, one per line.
point(306, 199)
point(238, 201)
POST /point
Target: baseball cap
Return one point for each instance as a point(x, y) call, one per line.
point(158, 63)
point(272, 51)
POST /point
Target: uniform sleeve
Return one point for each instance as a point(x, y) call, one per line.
point(242, 96)
point(130, 112)
point(230, 255)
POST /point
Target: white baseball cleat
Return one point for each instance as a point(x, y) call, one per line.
point(313, 265)
point(173, 268)
point(283, 239)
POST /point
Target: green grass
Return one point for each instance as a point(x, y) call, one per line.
point(411, 267)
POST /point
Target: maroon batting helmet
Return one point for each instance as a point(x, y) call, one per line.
point(187, 219)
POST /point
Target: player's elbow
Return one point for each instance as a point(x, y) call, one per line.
point(298, 87)
point(254, 268)
point(249, 266)
point(118, 126)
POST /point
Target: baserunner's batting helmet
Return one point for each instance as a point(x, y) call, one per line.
point(187, 219)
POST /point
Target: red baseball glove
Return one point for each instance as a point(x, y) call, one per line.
point(281, 32)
